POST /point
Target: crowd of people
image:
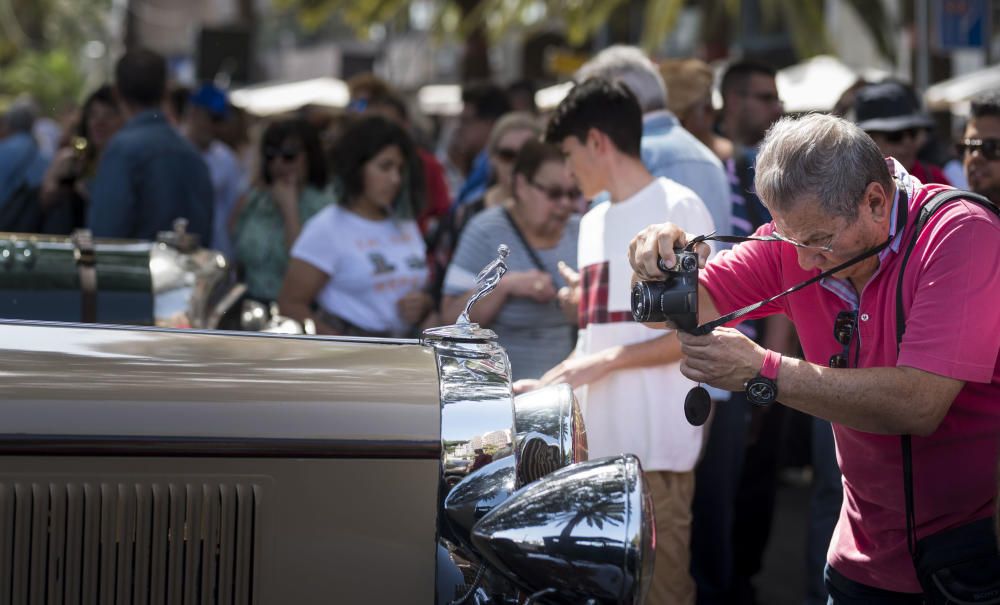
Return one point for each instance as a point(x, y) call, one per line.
point(356, 223)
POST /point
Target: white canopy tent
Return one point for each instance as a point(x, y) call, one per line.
point(955, 93)
point(549, 98)
point(274, 98)
point(440, 99)
point(815, 84)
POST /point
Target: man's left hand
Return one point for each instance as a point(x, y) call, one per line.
point(577, 371)
point(725, 358)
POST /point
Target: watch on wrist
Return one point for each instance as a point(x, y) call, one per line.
point(762, 389)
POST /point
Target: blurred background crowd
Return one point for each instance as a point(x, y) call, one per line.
point(358, 162)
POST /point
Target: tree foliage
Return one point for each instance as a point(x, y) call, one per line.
point(40, 46)
point(804, 18)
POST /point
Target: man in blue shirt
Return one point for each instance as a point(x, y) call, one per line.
point(21, 160)
point(149, 175)
point(668, 150)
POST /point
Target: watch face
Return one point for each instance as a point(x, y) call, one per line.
point(762, 391)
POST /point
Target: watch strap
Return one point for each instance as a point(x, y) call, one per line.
point(772, 362)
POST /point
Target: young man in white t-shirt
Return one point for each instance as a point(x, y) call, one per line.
point(627, 376)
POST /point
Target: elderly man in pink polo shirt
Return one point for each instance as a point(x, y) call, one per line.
point(834, 198)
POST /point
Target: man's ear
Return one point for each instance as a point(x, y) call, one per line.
point(878, 201)
point(596, 142)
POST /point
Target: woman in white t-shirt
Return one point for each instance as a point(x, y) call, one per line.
point(359, 267)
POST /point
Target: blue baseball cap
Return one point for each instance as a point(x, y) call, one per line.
point(212, 98)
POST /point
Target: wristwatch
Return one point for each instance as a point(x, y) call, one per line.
point(762, 389)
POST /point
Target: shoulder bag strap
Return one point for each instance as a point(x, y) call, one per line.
point(926, 211)
point(524, 242)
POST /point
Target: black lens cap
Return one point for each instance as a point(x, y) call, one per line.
point(697, 406)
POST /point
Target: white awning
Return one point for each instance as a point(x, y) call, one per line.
point(955, 93)
point(815, 84)
point(440, 99)
point(549, 98)
point(274, 98)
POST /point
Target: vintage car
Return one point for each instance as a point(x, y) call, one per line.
point(157, 465)
point(170, 282)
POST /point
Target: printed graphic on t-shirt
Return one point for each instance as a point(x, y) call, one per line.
point(593, 309)
point(379, 264)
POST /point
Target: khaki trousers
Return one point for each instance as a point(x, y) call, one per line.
point(672, 494)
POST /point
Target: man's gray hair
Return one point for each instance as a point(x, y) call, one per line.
point(822, 156)
point(21, 115)
point(630, 66)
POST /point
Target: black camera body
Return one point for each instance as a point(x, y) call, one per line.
point(674, 299)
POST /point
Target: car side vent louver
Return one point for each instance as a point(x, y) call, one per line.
point(124, 543)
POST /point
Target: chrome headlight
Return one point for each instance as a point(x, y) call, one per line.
point(583, 532)
point(549, 430)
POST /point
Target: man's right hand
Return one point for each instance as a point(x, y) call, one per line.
point(656, 242)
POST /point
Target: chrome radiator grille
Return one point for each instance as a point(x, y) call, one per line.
point(124, 543)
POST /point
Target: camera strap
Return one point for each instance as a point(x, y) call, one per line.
point(707, 327)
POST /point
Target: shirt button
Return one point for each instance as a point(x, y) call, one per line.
point(864, 317)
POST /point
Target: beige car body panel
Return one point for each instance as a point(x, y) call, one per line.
point(146, 421)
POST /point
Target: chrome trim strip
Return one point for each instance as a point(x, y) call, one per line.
point(212, 447)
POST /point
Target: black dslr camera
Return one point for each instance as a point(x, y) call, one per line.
point(674, 299)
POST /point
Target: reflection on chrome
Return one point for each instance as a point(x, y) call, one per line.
point(585, 531)
point(551, 417)
point(185, 284)
point(478, 494)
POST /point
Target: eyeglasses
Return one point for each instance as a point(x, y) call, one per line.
point(507, 154)
point(817, 247)
point(896, 136)
point(988, 148)
point(285, 153)
point(843, 332)
point(555, 192)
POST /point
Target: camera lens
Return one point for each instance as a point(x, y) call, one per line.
point(642, 303)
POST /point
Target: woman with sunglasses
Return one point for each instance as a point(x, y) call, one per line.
point(289, 192)
point(540, 226)
point(507, 137)
point(361, 263)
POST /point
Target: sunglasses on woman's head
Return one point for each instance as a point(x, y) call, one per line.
point(988, 148)
point(843, 331)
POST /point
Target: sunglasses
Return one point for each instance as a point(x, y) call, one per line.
point(988, 148)
point(843, 331)
point(285, 153)
point(507, 154)
point(555, 193)
point(896, 136)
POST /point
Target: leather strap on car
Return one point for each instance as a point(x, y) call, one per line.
point(86, 264)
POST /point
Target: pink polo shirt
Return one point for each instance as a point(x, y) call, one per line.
point(951, 297)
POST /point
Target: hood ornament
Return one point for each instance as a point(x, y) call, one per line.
point(486, 281)
point(464, 329)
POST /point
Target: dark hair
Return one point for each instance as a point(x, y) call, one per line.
point(609, 107)
point(526, 87)
point(178, 98)
point(488, 101)
point(279, 132)
point(361, 140)
point(986, 104)
point(737, 75)
point(141, 77)
point(391, 99)
point(533, 155)
point(104, 95)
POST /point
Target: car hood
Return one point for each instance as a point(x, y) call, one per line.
point(161, 387)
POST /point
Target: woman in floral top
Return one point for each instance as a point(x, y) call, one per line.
point(291, 189)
